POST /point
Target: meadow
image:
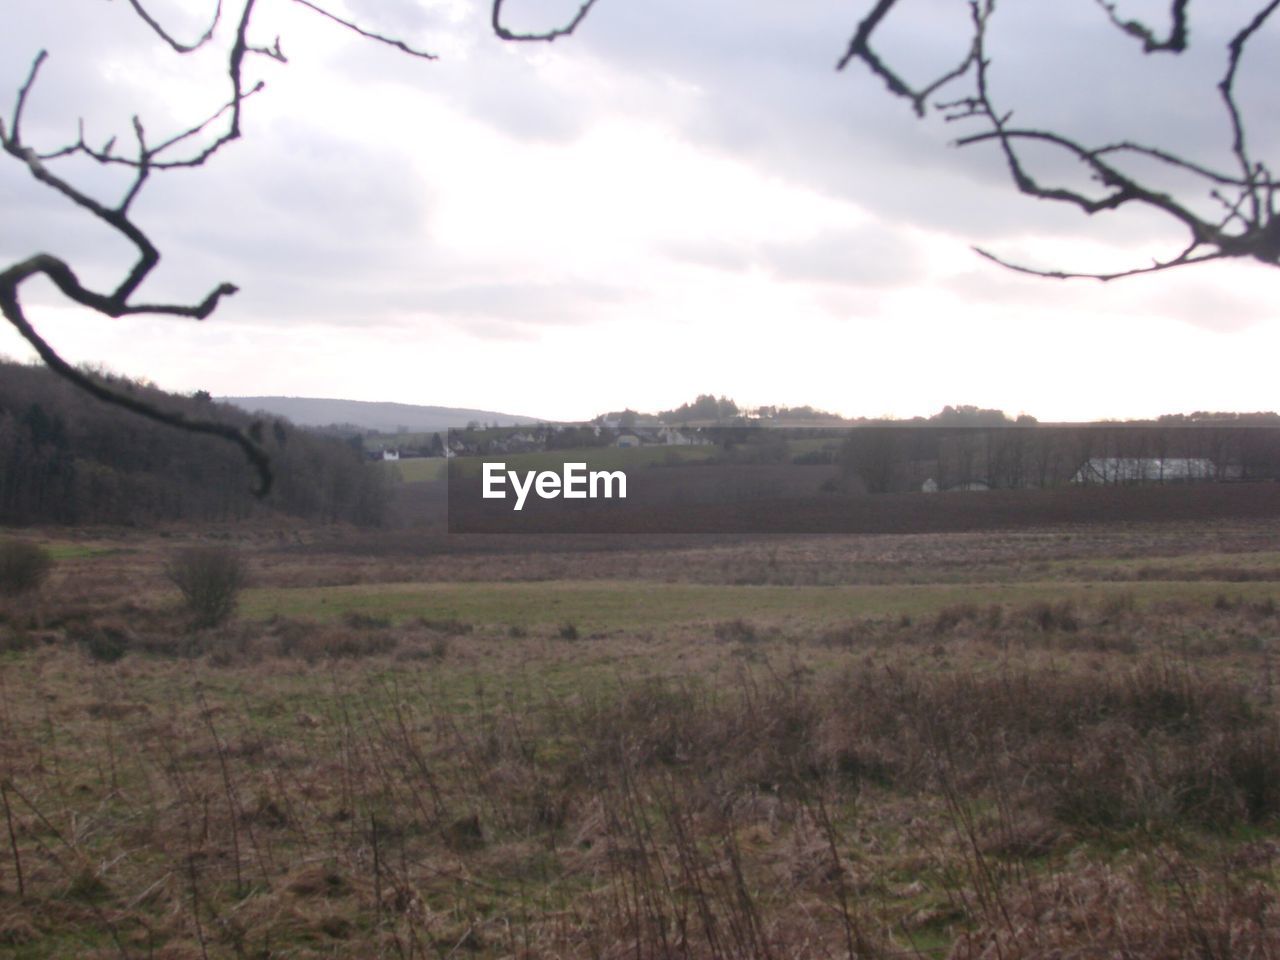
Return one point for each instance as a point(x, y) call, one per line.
point(1059, 741)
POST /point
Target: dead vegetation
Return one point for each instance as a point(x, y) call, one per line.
point(901, 804)
point(1020, 780)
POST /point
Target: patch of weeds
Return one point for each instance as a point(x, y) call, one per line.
point(106, 642)
point(737, 631)
point(23, 567)
point(88, 887)
point(465, 833)
point(356, 646)
point(1118, 607)
point(339, 928)
point(1264, 608)
point(1053, 616)
point(15, 640)
point(449, 626)
point(318, 881)
point(948, 618)
point(365, 621)
point(568, 631)
point(435, 649)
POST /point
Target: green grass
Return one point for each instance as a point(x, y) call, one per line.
point(418, 469)
point(612, 605)
point(61, 550)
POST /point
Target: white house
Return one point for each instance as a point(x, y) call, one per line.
point(674, 438)
point(390, 454)
point(626, 441)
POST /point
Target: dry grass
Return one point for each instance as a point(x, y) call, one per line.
point(1099, 778)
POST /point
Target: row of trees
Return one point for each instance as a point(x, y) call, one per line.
point(887, 459)
point(66, 459)
point(706, 407)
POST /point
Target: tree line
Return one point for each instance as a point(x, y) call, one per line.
point(67, 459)
point(884, 459)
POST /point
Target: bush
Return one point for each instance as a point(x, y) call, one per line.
point(23, 567)
point(736, 631)
point(949, 618)
point(1053, 616)
point(210, 579)
point(107, 643)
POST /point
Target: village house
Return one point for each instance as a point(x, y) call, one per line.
point(671, 437)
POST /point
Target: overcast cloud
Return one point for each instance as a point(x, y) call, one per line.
point(680, 198)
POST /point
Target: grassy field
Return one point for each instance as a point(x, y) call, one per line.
point(418, 469)
point(621, 605)
point(1043, 743)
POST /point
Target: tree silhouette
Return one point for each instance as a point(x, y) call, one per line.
point(1244, 197)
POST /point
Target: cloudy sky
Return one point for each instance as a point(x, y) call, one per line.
point(681, 198)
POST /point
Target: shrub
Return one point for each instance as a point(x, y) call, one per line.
point(449, 626)
point(210, 579)
point(1053, 616)
point(949, 618)
point(107, 643)
point(23, 567)
point(736, 631)
point(365, 621)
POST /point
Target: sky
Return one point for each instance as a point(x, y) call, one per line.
point(678, 199)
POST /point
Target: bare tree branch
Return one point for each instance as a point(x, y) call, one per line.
point(1252, 173)
point(860, 49)
point(164, 35)
point(144, 160)
point(1183, 259)
point(253, 451)
point(1176, 42)
point(1249, 227)
point(545, 35)
point(356, 28)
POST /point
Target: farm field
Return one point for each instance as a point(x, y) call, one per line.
point(1045, 742)
point(418, 469)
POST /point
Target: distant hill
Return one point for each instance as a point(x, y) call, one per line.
point(382, 417)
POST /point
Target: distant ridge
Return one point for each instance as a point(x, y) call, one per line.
point(382, 417)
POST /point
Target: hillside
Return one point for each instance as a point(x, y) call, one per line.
point(379, 417)
point(66, 458)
